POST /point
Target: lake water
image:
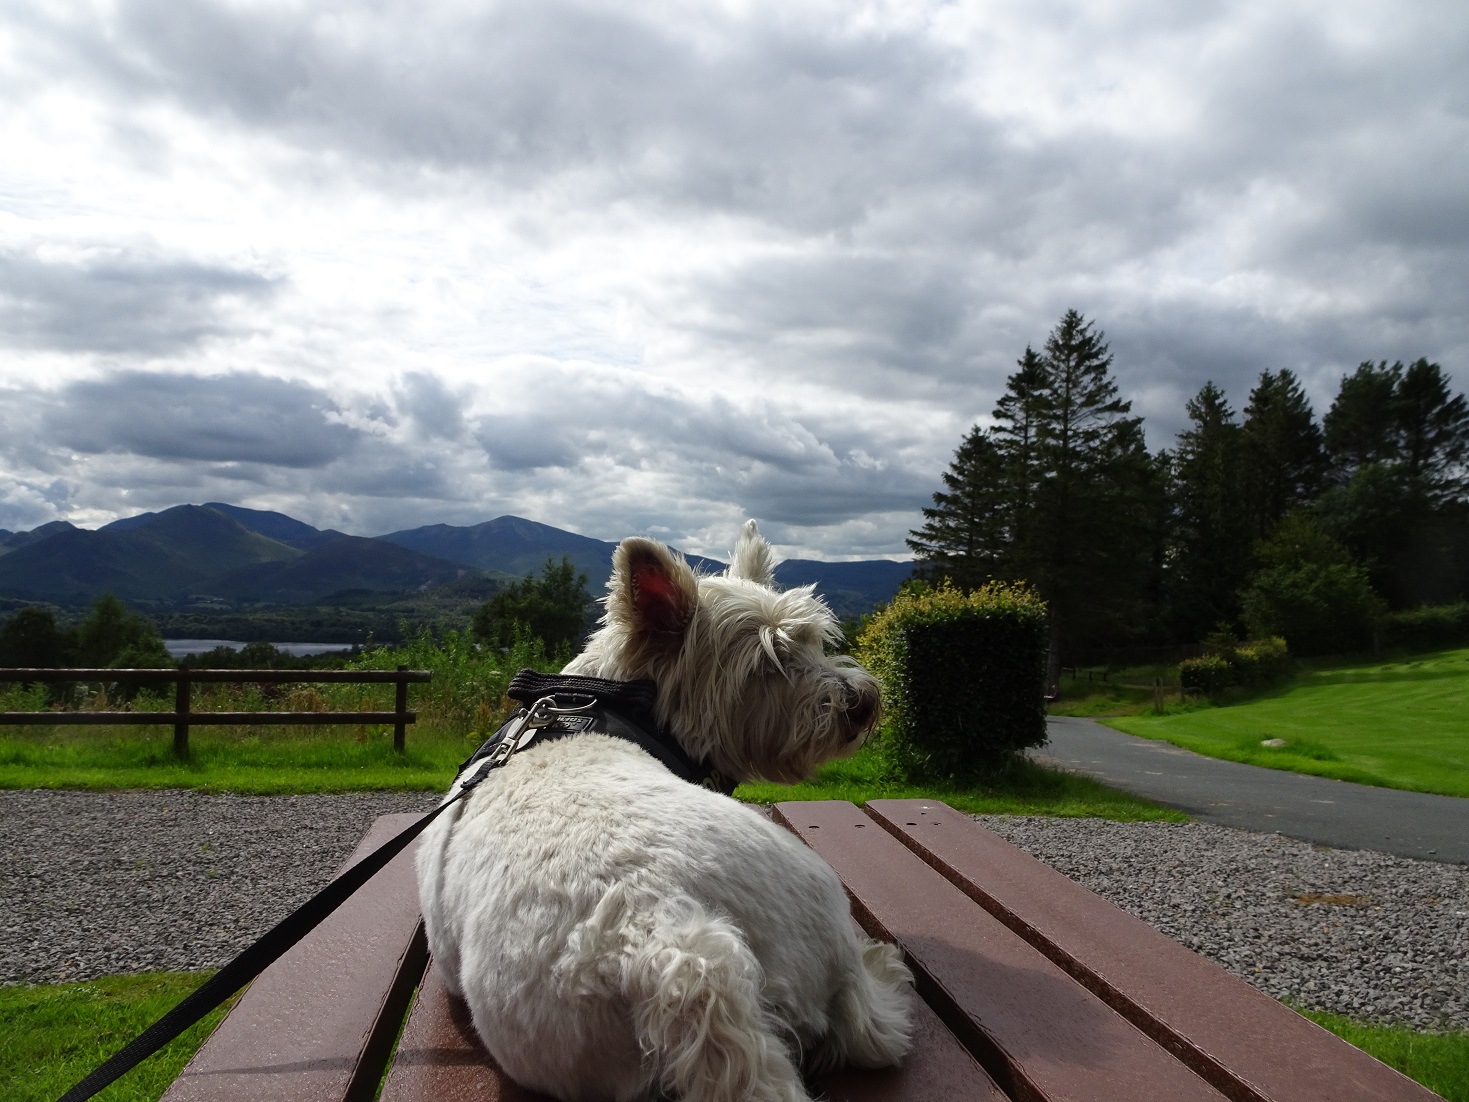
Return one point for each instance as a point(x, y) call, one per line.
point(183, 648)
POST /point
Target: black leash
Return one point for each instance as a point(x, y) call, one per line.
point(557, 705)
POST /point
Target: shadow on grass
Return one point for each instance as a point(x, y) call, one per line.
point(1022, 788)
point(1373, 677)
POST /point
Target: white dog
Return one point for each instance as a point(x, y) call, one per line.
point(620, 933)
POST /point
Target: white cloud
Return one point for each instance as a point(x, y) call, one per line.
point(650, 270)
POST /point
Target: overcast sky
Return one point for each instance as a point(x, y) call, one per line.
point(657, 268)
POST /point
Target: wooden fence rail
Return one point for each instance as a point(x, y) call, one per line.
point(183, 716)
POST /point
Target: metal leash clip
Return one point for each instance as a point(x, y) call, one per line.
point(519, 733)
point(542, 713)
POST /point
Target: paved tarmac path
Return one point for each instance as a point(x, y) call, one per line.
point(1315, 809)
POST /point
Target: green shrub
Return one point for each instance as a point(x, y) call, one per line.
point(1256, 663)
point(1427, 627)
point(1261, 661)
point(1207, 674)
point(1309, 591)
point(467, 692)
point(963, 677)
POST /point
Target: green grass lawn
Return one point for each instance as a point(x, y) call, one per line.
point(258, 761)
point(55, 1034)
point(1400, 724)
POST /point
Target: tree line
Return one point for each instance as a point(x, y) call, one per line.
point(1265, 523)
point(555, 608)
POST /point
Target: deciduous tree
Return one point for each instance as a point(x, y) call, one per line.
point(554, 608)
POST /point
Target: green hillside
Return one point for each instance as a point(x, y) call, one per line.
point(200, 559)
point(345, 564)
point(160, 560)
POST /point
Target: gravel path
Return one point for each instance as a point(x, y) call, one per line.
point(95, 884)
point(1369, 935)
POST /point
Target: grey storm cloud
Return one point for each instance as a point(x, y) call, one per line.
point(850, 319)
point(435, 410)
point(119, 304)
point(531, 440)
point(1286, 190)
point(768, 462)
point(769, 116)
point(939, 209)
point(235, 418)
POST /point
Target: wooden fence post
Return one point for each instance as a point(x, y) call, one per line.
point(181, 708)
point(400, 706)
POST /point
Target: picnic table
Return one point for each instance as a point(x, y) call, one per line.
point(1029, 988)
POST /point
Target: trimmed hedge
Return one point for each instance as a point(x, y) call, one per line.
point(963, 676)
point(1256, 663)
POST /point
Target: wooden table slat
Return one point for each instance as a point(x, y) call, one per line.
point(1039, 1033)
point(1251, 1047)
point(440, 1057)
point(317, 1025)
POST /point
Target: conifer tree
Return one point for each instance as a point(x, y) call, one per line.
point(1210, 546)
point(1361, 427)
point(1284, 459)
point(1060, 493)
point(1089, 558)
point(965, 536)
point(1434, 428)
point(1019, 422)
point(1397, 442)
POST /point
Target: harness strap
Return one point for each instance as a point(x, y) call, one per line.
point(622, 709)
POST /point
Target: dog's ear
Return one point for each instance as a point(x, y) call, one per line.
point(752, 560)
point(653, 591)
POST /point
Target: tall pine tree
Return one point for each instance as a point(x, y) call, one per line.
point(1019, 418)
point(1209, 556)
point(1060, 493)
point(1284, 459)
point(1361, 427)
point(965, 536)
point(1397, 441)
point(1089, 558)
point(1434, 428)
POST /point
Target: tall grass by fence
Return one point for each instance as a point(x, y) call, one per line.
point(184, 716)
point(454, 687)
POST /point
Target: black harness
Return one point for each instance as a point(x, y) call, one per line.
point(555, 706)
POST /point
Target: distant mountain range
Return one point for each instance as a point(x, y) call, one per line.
point(218, 555)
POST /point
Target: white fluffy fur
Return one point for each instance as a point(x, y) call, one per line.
point(621, 934)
